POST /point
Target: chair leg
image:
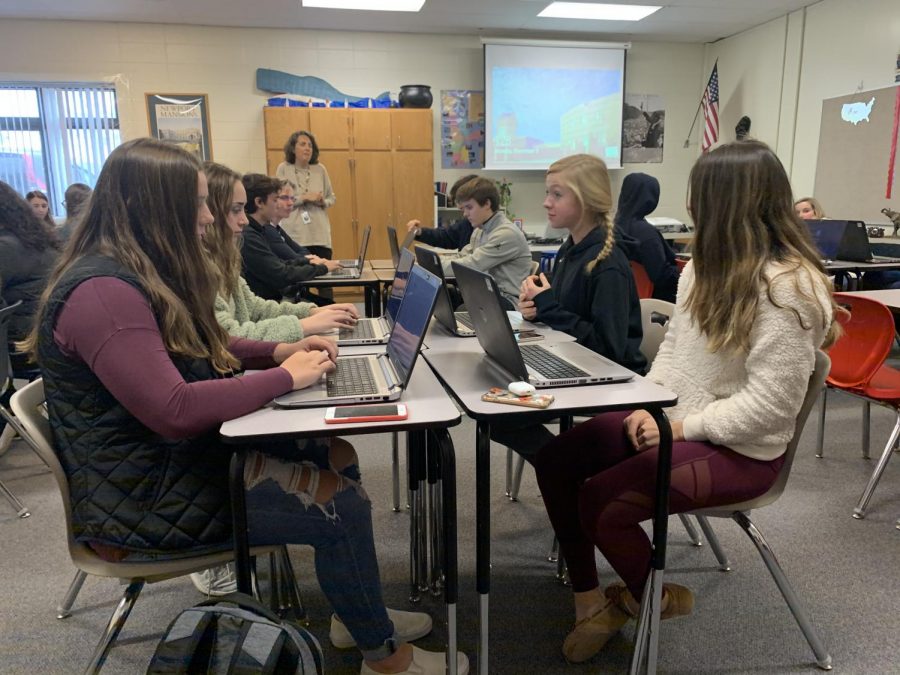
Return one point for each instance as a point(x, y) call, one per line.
point(692, 533)
point(286, 600)
point(509, 471)
point(860, 511)
point(866, 418)
point(116, 621)
point(718, 551)
point(64, 610)
point(517, 479)
point(553, 555)
point(562, 571)
point(6, 438)
point(823, 658)
point(20, 509)
point(820, 436)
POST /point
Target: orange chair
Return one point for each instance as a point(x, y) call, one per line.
point(642, 281)
point(858, 368)
point(680, 263)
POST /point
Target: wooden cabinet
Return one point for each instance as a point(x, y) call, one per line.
point(381, 165)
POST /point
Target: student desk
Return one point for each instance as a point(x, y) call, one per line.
point(431, 413)
point(889, 297)
point(382, 264)
point(367, 280)
point(466, 375)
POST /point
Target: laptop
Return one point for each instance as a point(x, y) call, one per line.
point(855, 244)
point(826, 235)
point(382, 377)
point(377, 331)
point(458, 323)
point(396, 247)
point(558, 365)
point(352, 269)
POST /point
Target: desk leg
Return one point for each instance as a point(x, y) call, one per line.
point(239, 521)
point(395, 469)
point(417, 522)
point(435, 522)
point(483, 537)
point(372, 301)
point(647, 636)
point(447, 470)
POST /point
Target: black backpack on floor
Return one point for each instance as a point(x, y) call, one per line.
point(235, 634)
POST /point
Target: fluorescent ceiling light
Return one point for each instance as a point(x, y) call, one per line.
point(379, 5)
point(600, 12)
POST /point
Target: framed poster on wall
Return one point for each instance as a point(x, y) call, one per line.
point(182, 119)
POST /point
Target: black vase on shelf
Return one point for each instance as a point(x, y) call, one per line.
point(415, 96)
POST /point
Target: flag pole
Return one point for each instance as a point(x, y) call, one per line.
point(687, 141)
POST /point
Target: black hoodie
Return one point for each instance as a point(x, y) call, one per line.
point(638, 198)
point(599, 308)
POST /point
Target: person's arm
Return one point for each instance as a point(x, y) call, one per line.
point(328, 196)
point(301, 251)
point(456, 235)
point(778, 365)
point(272, 270)
point(605, 331)
point(106, 322)
point(499, 247)
point(283, 328)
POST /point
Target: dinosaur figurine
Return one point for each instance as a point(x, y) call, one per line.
point(895, 218)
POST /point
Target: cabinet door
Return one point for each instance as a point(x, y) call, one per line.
point(331, 127)
point(280, 123)
point(273, 159)
point(411, 129)
point(372, 129)
point(343, 239)
point(413, 187)
point(372, 179)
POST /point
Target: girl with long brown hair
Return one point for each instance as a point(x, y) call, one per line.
point(40, 205)
point(135, 363)
point(752, 308)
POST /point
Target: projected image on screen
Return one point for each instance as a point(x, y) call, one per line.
point(545, 103)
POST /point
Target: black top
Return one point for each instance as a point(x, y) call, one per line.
point(282, 244)
point(638, 198)
point(599, 308)
point(268, 275)
point(23, 276)
point(456, 235)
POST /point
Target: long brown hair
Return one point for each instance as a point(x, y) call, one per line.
point(47, 219)
point(219, 239)
point(741, 204)
point(143, 214)
point(588, 177)
point(18, 218)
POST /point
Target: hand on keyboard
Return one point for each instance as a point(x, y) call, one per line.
point(308, 367)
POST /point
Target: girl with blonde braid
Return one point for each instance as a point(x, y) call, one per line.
point(593, 295)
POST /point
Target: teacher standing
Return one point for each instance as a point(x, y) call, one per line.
point(308, 223)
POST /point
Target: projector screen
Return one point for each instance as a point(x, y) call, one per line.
point(546, 102)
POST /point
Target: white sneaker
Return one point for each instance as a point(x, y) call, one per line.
point(426, 663)
point(216, 581)
point(408, 626)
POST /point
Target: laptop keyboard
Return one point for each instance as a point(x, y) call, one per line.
point(351, 377)
point(548, 364)
point(360, 331)
point(463, 318)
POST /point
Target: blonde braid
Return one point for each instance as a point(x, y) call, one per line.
point(606, 222)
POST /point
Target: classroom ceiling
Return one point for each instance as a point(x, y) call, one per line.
point(677, 21)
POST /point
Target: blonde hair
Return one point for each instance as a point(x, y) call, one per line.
point(818, 211)
point(219, 239)
point(740, 201)
point(588, 178)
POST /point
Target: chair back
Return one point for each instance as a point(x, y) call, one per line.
point(681, 263)
point(865, 344)
point(816, 383)
point(535, 267)
point(5, 367)
point(641, 280)
point(655, 316)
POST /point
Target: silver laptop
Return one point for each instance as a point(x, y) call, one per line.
point(377, 331)
point(352, 269)
point(558, 365)
point(397, 247)
point(457, 323)
point(383, 377)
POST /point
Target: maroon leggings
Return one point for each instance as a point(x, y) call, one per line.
point(598, 490)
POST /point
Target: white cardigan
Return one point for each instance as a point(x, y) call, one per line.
point(747, 402)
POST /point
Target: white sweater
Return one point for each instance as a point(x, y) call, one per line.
point(747, 402)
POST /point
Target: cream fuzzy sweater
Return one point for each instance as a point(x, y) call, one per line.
point(747, 402)
point(249, 316)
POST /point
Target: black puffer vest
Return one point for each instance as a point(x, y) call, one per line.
point(129, 486)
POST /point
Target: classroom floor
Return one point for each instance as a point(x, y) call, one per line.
point(844, 570)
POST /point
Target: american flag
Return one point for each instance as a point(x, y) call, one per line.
point(710, 104)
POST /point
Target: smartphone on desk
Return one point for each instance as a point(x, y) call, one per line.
point(387, 412)
point(528, 336)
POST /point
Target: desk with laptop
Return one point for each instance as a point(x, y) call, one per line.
point(844, 245)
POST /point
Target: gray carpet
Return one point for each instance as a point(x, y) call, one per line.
point(844, 570)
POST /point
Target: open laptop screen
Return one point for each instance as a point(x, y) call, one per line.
point(398, 286)
point(412, 320)
point(827, 236)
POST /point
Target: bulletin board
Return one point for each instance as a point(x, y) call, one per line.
point(858, 172)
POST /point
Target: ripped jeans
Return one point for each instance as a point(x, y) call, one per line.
point(315, 499)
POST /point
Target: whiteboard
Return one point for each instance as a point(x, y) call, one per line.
point(855, 141)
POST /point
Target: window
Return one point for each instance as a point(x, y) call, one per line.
point(53, 135)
